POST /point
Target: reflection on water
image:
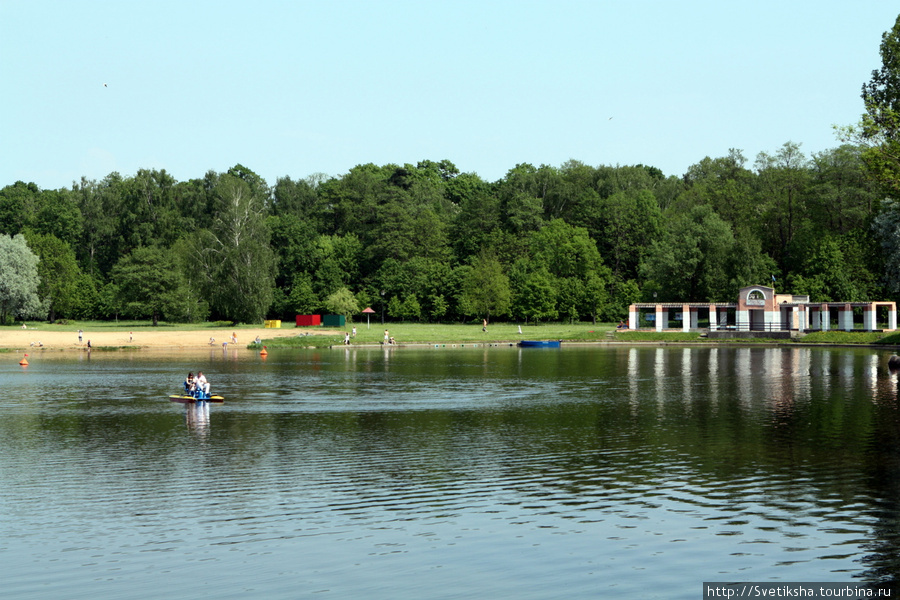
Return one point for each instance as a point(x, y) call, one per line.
point(454, 472)
point(197, 417)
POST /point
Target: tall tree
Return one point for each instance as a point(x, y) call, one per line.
point(783, 180)
point(19, 280)
point(59, 274)
point(880, 125)
point(237, 265)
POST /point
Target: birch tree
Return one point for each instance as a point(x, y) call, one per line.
point(236, 264)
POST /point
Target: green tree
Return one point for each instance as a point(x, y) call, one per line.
point(16, 203)
point(887, 230)
point(302, 299)
point(407, 309)
point(150, 283)
point(690, 262)
point(19, 280)
point(60, 275)
point(534, 294)
point(438, 307)
point(725, 184)
point(879, 129)
point(632, 221)
point(342, 302)
point(824, 276)
point(486, 291)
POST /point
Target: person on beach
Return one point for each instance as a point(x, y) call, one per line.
point(387, 337)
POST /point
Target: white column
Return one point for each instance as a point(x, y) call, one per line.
point(661, 315)
point(632, 317)
point(713, 321)
point(846, 318)
point(869, 318)
point(892, 318)
point(825, 317)
point(685, 317)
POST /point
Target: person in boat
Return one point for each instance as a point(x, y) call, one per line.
point(189, 384)
point(202, 385)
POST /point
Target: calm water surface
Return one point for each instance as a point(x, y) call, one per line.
point(485, 472)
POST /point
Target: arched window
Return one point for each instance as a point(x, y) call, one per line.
point(756, 298)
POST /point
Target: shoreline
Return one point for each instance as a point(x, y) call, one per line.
point(39, 340)
point(35, 339)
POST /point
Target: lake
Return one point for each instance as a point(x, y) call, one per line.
point(451, 472)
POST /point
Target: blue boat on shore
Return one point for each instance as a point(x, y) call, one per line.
point(539, 344)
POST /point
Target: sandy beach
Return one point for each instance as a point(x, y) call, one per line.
point(32, 338)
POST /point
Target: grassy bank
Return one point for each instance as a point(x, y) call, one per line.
point(430, 333)
point(415, 333)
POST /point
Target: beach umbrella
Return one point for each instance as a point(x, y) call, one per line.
point(368, 311)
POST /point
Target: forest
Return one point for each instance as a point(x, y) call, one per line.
point(427, 242)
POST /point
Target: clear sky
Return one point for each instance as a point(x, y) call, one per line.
point(295, 88)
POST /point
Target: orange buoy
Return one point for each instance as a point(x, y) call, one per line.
point(263, 352)
point(24, 361)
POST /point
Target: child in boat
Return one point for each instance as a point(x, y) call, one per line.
point(189, 383)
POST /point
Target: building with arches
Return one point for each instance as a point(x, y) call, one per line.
point(759, 310)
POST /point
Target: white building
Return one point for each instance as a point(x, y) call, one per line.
point(760, 309)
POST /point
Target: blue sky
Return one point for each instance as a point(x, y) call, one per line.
point(296, 88)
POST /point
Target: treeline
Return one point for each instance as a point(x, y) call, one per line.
point(430, 243)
